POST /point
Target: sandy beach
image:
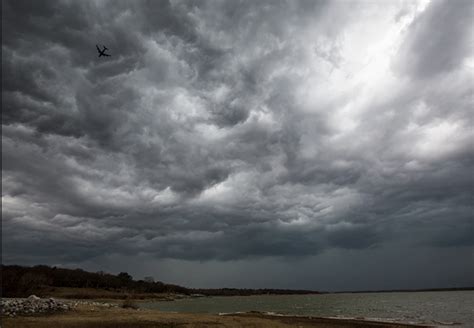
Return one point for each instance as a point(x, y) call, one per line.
point(86, 316)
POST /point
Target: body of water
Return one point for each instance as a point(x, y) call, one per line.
point(432, 308)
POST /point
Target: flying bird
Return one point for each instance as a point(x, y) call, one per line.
point(102, 52)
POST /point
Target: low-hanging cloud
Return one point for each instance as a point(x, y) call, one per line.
point(226, 130)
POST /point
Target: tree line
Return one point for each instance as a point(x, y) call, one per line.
point(21, 281)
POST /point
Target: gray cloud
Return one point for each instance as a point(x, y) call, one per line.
point(439, 40)
point(234, 132)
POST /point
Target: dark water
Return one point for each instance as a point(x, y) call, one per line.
point(434, 308)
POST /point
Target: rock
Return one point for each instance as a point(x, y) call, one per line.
point(34, 305)
point(31, 305)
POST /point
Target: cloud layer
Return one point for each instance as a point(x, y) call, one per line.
point(235, 130)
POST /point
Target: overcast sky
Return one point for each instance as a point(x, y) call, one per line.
point(286, 144)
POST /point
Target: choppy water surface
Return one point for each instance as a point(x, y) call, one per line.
point(433, 308)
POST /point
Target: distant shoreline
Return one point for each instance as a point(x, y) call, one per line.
point(42, 280)
point(403, 290)
point(297, 292)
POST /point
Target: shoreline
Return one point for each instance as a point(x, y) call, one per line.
point(93, 316)
point(309, 317)
point(350, 320)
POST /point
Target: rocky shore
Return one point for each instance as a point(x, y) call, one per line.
point(34, 305)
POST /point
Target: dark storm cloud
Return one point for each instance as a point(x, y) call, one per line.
point(228, 130)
